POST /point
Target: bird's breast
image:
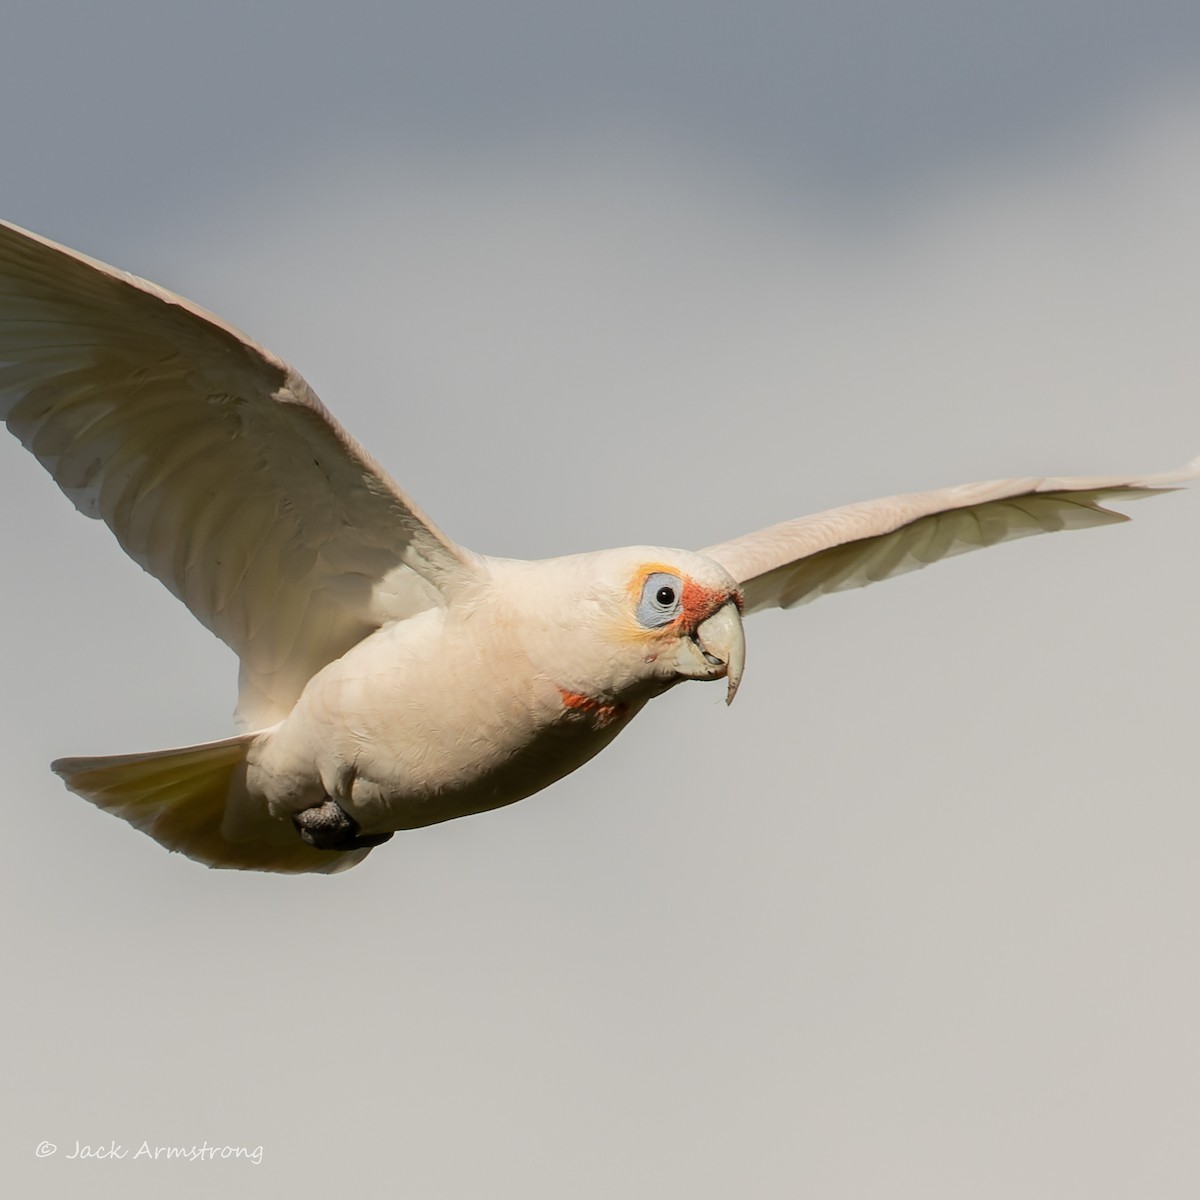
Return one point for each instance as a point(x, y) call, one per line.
point(426, 721)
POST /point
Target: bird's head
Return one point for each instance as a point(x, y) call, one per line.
point(682, 613)
point(637, 621)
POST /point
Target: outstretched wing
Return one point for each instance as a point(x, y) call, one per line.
point(797, 561)
point(215, 465)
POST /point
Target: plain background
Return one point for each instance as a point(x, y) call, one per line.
point(917, 916)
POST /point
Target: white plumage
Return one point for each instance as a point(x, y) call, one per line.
point(389, 677)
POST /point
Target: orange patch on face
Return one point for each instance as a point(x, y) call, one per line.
point(697, 603)
point(602, 714)
point(700, 602)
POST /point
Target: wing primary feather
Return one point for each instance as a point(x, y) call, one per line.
point(177, 431)
point(797, 561)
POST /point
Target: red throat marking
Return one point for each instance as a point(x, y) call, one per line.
point(603, 714)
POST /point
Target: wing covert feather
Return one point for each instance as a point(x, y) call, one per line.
point(797, 561)
point(214, 464)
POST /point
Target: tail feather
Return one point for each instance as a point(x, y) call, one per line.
point(179, 798)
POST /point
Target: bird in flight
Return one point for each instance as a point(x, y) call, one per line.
point(390, 678)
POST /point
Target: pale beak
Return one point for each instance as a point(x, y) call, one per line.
point(723, 644)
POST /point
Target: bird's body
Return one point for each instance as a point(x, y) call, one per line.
point(389, 678)
point(460, 710)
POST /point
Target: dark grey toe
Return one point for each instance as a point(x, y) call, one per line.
point(328, 826)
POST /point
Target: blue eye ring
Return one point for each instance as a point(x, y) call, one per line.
point(661, 600)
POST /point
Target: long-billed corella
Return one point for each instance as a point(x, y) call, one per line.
point(390, 678)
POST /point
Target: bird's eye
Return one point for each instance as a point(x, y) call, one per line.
point(659, 604)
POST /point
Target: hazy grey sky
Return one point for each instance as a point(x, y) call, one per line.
point(916, 916)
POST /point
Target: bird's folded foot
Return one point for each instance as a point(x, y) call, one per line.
point(328, 826)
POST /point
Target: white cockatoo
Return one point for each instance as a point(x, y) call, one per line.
point(389, 678)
